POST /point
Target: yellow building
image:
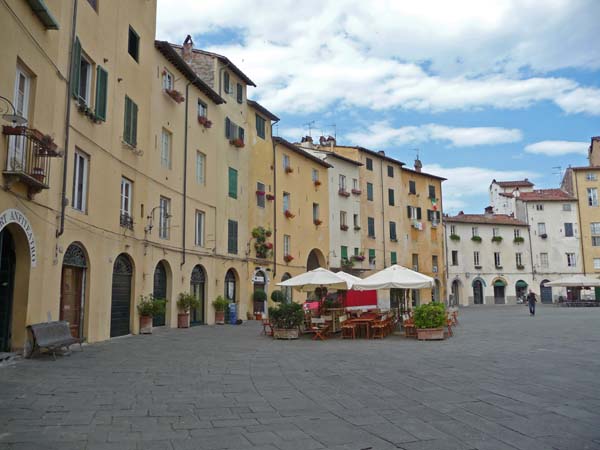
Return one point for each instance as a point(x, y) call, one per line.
point(583, 183)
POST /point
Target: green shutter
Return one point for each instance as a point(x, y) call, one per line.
point(371, 254)
point(418, 213)
point(232, 238)
point(226, 82)
point(101, 92)
point(127, 124)
point(391, 197)
point(227, 128)
point(394, 258)
point(240, 93)
point(233, 183)
point(408, 211)
point(75, 68)
point(344, 252)
point(134, 116)
point(241, 133)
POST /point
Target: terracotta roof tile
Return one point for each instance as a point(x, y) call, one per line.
point(492, 219)
point(546, 195)
point(515, 183)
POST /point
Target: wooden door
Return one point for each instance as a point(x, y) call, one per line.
point(120, 310)
point(499, 295)
point(71, 298)
point(7, 284)
point(160, 292)
point(545, 292)
point(478, 293)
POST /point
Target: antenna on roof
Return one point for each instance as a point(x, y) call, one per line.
point(417, 150)
point(334, 130)
point(310, 126)
point(277, 129)
point(558, 171)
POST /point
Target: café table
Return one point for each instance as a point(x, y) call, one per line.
point(365, 320)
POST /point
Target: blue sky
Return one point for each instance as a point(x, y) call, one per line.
point(505, 89)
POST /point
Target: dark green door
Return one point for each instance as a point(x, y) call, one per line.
point(120, 310)
point(160, 291)
point(7, 282)
point(197, 288)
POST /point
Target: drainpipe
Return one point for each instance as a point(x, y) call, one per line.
point(580, 224)
point(530, 244)
point(63, 195)
point(185, 152)
point(274, 205)
point(382, 208)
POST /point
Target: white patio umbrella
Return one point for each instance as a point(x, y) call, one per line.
point(395, 277)
point(350, 279)
point(575, 281)
point(309, 281)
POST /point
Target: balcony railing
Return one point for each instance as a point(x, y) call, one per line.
point(126, 221)
point(28, 160)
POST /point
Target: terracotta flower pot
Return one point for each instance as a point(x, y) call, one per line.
point(183, 320)
point(145, 324)
point(219, 317)
point(430, 334)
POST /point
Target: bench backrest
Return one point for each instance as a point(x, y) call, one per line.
point(51, 332)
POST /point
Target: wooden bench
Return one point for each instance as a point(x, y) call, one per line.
point(52, 336)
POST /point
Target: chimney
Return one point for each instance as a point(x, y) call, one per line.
point(418, 165)
point(381, 152)
point(322, 141)
point(594, 151)
point(461, 213)
point(330, 141)
point(186, 49)
point(307, 142)
point(489, 211)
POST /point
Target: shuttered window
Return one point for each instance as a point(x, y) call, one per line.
point(393, 236)
point(371, 226)
point(130, 128)
point(260, 127)
point(371, 256)
point(391, 200)
point(370, 191)
point(394, 258)
point(232, 237)
point(227, 128)
point(240, 93)
point(101, 92)
point(226, 82)
point(344, 251)
point(75, 68)
point(233, 182)
point(432, 192)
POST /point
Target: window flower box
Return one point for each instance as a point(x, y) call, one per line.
point(358, 258)
point(520, 267)
point(270, 197)
point(356, 191)
point(344, 227)
point(344, 193)
point(38, 173)
point(9, 130)
point(317, 183)
point(497, 239)
point(288, 169)
point(519, 240)
point(356, 228)
point(203, 120)
point(543, 235)
point(175, 95)
point(288, 214)
point(455, 237)
point(239, 143)
point(288, 258)
point(261, 193)
point(268, 233)
point(476, 239)
point(347, 263)
point(317, 222)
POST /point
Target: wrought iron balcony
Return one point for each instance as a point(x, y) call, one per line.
point(126, 221)
point(28, 157)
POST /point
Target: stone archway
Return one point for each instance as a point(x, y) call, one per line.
point(315, 259)
point(455, 293)
point(198, 290)
point(72, 288)
point(160, 291)
point(120, 309)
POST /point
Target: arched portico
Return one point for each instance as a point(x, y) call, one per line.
point(315, 259)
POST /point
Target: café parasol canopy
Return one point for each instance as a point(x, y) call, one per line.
point(575, 281)
point(350, 279)
point(309, 281)
point(395, 277)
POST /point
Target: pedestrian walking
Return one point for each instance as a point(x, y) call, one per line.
point(531, 300)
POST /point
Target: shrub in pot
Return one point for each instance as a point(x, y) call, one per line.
point(430, 320)
point(185, 303)
point(259, 298)
point(220, 304)
point(286, 320)
point(148, 307)
point(278, 296)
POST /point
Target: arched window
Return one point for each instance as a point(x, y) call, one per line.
point(230, 285)
point(477, 292)
point(198, 290)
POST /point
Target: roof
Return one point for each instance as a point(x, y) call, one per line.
point(328, 154)
point(301, 152)
point(225, 61)
point(423, 173)
point(546, 195)
point(584, 168)
point(174, 58)
point(264, 111)
point(381, 154)
point(486, 219)
point(515, 183)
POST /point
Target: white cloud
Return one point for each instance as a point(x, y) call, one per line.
point(465, 184)
point(425, 56)
point(557, 148)
point(382, 135)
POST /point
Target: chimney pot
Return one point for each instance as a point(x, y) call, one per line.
point(186, 49)
point(418, 165)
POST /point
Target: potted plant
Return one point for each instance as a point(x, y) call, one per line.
point(203, 120)
point(185, 303)
point(430, 320)
point(239, 143)
point(347, 263)
point(288, 258)
point(344, 227)
point(270, 197)
point(220, 304)
point(356, 228)
point(317, 222)
point(317, 183)
point(288, 169)
point(38, 174)
point(175, 95)
point(356, 191)
point(343, 193)
point(278, 296)
point(286, 320)
point(358, 257)
point(148, 307)
point(455, 237)
point(259, 298)
point(519, 240)
point(288, 214)
point(476, 239)
point(497, 239)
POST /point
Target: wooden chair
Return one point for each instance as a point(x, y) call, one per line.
point(409, 327)
point(320, 327)
point(267, 327)
point(378, 329)
point(348, 328)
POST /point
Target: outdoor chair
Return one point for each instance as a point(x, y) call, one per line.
point(320, 327)
point(378, 329)
point(267, 327)
point(348, 328)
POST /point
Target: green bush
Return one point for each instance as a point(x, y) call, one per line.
point(476, 238)
point(497, 239)
point(519, 240)
point(220, 304)
point(287, 316)
point(186, 302)
point(431, 315)
point(454, 237)
point(150, 306)
point(278, 296)
point(259, 296)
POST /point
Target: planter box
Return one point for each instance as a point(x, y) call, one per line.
point(183, 320)
point(145, 324)
point(430, 334)
point(219, 317)
point(280, 333)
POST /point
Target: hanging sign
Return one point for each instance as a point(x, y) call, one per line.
point(15, 216)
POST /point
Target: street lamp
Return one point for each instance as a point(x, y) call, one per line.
point(15, 118)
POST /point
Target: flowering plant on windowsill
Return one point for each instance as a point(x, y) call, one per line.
point(356, 191)
point(358, 257)
point(288, 258)
point(344, 227)
point(270, 197)
point(356, 228)
point(260, 192)
point(476, 238)
point(317, 222)
point(343, 193)
point(288, 214)
point(175, 95)
point(203, 120)
point(520, 266)
point(239, 143)
point(317, 183)
point(519, 240)
point(288, 169)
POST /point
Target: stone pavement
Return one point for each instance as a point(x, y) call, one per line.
point(505, 381)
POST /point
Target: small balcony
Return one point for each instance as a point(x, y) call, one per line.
point(29, 156)
point(126, 221)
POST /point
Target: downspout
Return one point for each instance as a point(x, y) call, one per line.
point(382, 208)
point(580, 224)
point(274, 205)
point(63, 195)
point(185, 152)
point(530, 244)
point(445, 247)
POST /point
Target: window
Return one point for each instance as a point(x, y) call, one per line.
point(517, 233)
point(452, 229)
point(434, 263)
point(476, 262)
point(342, 183)
point(355, 185)
point(595, 228)
point(239, 93)
point(260, 126)
point(165, 149)
point(356, 222)
point(344, 253)
point(371, 256)
point(571, 260)
point(226, 86)
point(412, 187)
point(393, 236)
point(370, 191)
point(232, 237)
point(85, 80)
point(566, 207)
point(133, 46)
point(200, 168)
point(101, 93)
point(130, 128)
point(591, 176)
point(233, 131)
point(126, 200)
point(455, 257)
point(390, 170)
point(541, 228)
point(371, 227)
point(260, 194)
point(343, 219)
point(22, 87)
point(596, 263)
point(432, 192)
point(592, 194)
point(369, 164)
point(415, 262)
point(93, 4)
point(495, 232)
point(356, 251)
point(497, 261)
point(199, 237)
point(519, 259)
point(287, 245)
point(315, 175)
point(80, 181)
point(544, 260)
point(233, 182)
point(474, 231)
point(391, 197)
point(568, 229)
point(202, 109)
point(315, 212)
point(167, 80)
point(286, 162)
point(286, 201)
point(414, 213)
point(595, 241)
point(164, 218)
point(539, 207)
point(393, 258)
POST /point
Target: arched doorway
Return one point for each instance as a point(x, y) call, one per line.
point(477, 292)
point(120, 309)
point(198, 290)
point(287, 291)
point(499, 292)
point(455, 301)
point(315, 259)
point(72, 288)
point(8, 262)
point(435, 292)
point(160, 291)
point(231, 285)
point(545, 292)
point(259, 283)
point(521, 290)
